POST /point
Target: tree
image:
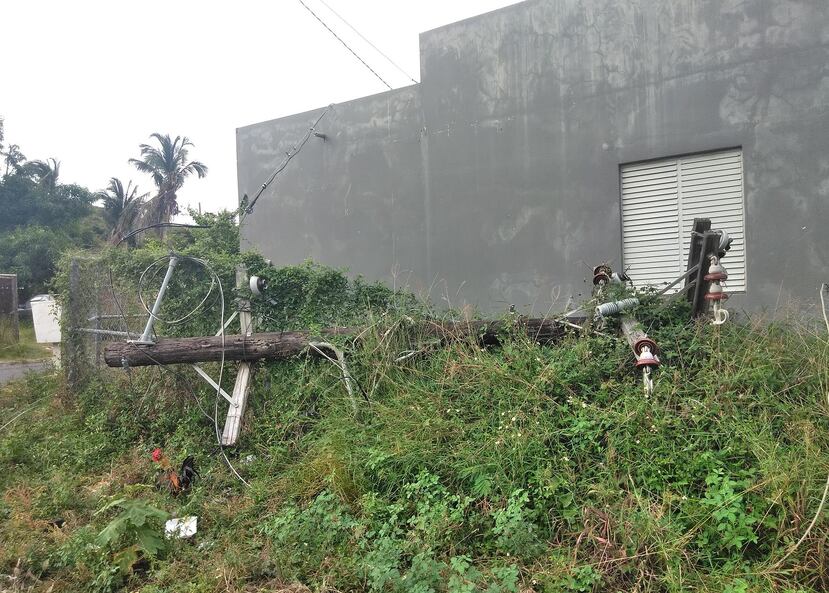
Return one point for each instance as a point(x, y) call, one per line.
point(46, 172)
point(40, 217)
point(122, 207)
point(169, 168)
point(14, 159)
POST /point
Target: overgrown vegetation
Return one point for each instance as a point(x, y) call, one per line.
point(517, 468)
point(26, 348)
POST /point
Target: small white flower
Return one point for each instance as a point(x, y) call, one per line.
point(583, 404)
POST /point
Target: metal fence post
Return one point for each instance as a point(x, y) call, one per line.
point(73, 341)
point(8, 308)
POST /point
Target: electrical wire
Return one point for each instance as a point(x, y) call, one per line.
point(180, 319)
point(289, 155)
point(218, 281)
point(219, 382)
point(377, 49)
point(181, 377)
point(160, 225)
point(339, 363)
point(29, 409)
point(133, 233)
point(823, 288)
point(215, 280)
point(337, 37)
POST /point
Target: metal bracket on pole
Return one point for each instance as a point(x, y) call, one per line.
point(695, 255)
point(213, 384)
point(710, 243)
point(146, 338)
point(203, 374)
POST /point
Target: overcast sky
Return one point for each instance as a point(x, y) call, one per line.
point(87, 81)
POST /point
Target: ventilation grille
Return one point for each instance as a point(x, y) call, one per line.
point(660, 200)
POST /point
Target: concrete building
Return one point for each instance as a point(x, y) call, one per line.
point(553, 135)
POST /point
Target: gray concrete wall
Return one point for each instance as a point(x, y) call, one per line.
point(496, 180)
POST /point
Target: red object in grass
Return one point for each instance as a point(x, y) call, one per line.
point(157, 454)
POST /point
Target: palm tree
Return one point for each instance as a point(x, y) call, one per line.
point(122, 206)
point(14, 158)
point(46, 172)
point(169, 167)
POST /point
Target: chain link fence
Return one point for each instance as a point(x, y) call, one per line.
point(98, 308)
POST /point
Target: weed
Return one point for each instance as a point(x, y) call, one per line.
point(498, 469)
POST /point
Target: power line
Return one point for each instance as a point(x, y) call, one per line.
point(337, 37)
point(288, 156)
point(377, 49)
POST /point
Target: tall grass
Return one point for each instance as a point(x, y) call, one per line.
point(512, 468)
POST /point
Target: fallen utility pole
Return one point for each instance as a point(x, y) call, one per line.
point(282, 345)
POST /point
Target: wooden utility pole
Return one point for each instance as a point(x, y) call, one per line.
point(282, 345)
point(239, 398)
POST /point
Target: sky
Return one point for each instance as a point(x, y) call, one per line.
point(87, 81)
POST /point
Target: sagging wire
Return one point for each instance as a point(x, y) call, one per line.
point(27, 410)
point(160, 225)
point(363, 37)
point(218, 281)
point(346, 376)
point(823, 288)
point(340, 363)
point(337, 37)
point(195, 310)
point(133, 233)
point(248, 208)
point(215, 281)
point(181, 377)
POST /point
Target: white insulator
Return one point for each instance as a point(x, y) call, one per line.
point(614, 308)
point(257, 285)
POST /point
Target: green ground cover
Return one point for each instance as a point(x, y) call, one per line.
point(26, 349)
point(518, 468)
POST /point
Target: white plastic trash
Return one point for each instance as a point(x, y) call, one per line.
point(181, 528)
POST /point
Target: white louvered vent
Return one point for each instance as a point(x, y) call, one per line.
point(660, 200)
